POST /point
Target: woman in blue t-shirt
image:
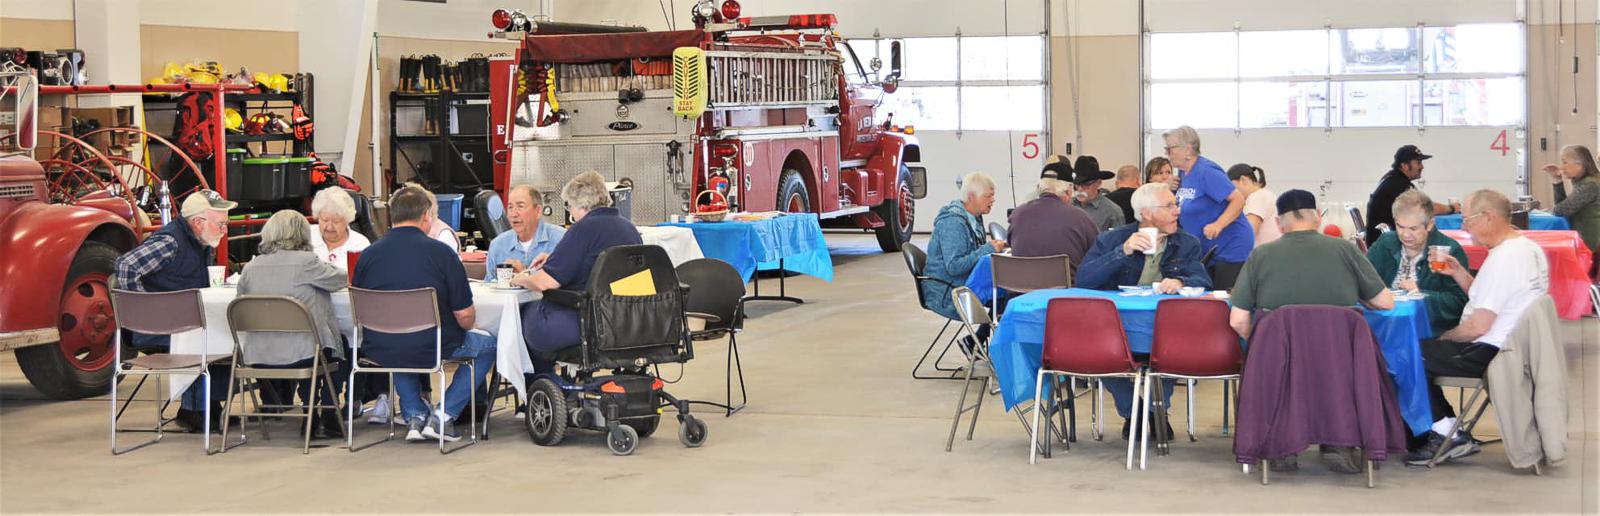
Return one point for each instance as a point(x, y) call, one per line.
point(1211, 208)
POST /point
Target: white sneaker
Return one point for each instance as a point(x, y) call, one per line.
point(414, 430)
point(381, 411)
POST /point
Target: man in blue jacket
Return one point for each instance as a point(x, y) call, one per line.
point(1124, 255)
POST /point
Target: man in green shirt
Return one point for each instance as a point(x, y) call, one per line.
point(1305, 267)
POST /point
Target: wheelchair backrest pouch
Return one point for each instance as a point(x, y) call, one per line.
point(632, 322)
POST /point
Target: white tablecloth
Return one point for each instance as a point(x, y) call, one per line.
point(497, 313)
point(679, 242)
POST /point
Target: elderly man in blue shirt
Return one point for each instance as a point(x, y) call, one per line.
point(530, 238)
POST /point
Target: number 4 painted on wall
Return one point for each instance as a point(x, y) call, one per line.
point(1500, 144)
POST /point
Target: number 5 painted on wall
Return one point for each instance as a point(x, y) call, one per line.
point(1030, 147)
point(1500, 143)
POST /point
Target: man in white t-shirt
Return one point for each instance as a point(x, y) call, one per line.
point(1513, 277)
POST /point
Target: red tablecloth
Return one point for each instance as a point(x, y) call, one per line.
point(1569, 266)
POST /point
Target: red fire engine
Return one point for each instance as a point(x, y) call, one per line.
point(773, 112)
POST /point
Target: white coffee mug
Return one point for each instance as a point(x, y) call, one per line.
point(502, 276)
point(216, 272)
point(1153, 234)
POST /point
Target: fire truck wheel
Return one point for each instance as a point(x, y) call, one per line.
point(792, 195)
point(79, 365)
point(898, 214)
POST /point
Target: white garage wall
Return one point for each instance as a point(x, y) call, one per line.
point(279, 15)
point(466, 20)
point(948, 157)
point(1346, 164)
point(36, 9)
point(857, 18)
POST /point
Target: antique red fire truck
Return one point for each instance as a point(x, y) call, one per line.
point(773, 112)
point(58, 240)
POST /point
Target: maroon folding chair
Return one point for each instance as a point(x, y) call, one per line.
point(1083, 337)
point(1192, 341)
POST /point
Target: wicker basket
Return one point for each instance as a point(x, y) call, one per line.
point(715, 215)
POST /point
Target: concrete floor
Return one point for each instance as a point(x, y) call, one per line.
point(835, 424)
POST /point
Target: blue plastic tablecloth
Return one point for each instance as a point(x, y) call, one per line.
point(1018, 343)
point(1542, 221)
point(981, 279)
point(795, 238)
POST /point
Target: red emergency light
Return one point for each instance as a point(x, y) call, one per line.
point(501, 19)
point(797, 21)
point(730, 10)
point(813, 20)
point(724, 150)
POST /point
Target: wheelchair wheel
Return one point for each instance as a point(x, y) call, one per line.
point(547, 413)
point(691, 431)
point(622, 439)
point(644, 426)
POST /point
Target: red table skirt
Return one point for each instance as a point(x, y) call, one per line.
point(1569, 266)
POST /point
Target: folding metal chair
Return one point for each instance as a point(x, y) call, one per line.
point(398, 312)
point(973, 316)
point(276, 314)
point(161, 313)
point(1083, 337)
point(1479, 389)
point(1192, 341)
point(917, 262)
point(716, 296)
point(1021, 275)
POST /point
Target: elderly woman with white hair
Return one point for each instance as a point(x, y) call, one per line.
point(331, 238)
point(958, 242)
point(597, 227)
point(288, 267)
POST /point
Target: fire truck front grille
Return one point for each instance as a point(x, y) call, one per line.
point(549, 167)
point(17, 192)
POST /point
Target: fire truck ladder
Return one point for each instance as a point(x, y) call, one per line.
point(742, 80)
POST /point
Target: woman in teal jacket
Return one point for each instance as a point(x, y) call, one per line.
point(959, 240)
point(1400, 256)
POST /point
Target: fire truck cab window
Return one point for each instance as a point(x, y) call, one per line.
point(853, 71)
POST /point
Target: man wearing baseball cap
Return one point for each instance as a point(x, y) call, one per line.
point(1305, 267)
point(1050, 225)
point(175, 258)
point(1086, 176)
point(1407, 167)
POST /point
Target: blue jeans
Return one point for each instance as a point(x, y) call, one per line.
point(480, 348)
point(1122, 391)
point(194, 397)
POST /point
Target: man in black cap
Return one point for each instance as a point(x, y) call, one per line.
point(1086, 176)
point(1407, 167)
point(1305, 267)
point(1050, 225)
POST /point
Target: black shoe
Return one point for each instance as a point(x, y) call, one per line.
point(1127, 424)
point(189, 421)
point(327, 425)
point(193, 421)
point(1285, 465)
point(1461, 446)
point(1342, 459)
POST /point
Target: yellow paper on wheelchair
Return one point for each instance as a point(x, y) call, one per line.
point(640, 284)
